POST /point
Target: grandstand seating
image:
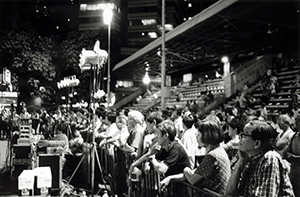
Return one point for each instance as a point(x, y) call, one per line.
point(282, 99)
point(194, 93)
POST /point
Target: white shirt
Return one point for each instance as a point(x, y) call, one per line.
point(189, 141)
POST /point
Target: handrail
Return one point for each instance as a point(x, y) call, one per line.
point(190, 190)
point(148, 185)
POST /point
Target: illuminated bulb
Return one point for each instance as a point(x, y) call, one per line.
point(225, 59)
point(146, 79)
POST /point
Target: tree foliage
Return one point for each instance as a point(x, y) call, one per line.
point(38, 63)
point(71, 48)
point(27, 56)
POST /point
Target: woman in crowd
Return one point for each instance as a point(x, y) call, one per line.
point(234, 128)
point(214, 171)
point(134, 144)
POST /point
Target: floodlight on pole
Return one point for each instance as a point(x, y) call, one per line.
point(146, 78)
point(226, 66)
point(225, 59)
point(107, 18)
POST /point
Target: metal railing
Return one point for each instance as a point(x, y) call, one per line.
point(148, 184)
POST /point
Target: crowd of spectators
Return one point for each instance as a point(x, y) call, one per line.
point(211, 151)
point(234, 151)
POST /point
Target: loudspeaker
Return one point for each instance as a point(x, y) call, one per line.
point(54, 161)
point(21, 151)
point(21, 160)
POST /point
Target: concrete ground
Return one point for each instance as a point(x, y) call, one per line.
point(3, 149)
point(8, 186)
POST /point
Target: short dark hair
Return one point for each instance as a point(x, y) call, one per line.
point(154, 116)
point(211, 131)
point(126, 111)
point(188, 120)
point(178, 112)
point(264, 132)
point(101, 113)
point(167, 127)
point(235, 124)
point(111, 116)
point(61, 127)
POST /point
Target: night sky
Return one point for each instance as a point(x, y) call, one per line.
point(61, 16)
point(46, 16)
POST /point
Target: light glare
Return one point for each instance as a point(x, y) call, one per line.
point(107, 16)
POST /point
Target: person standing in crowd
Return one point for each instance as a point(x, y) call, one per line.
point(150, 140)
point(13, 122)
point(260, 170)
point(268, 86)
point(292, 155)
point(46, 125)
point(172, 158)
point(24, 113)
point(214, 171)
point(134, 144)
point(117, 140)
point(234, 128)
point(152, 121)
point(213, 117)
point(94, 125)
point(285, 135)
point(60, 135)
point(75, 143)
point(177, 118)
point(188, 138)
point(111, 130)
point(35, 121)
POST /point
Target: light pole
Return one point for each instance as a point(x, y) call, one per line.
point(163, 56)
point(107, 17)
point(225, 60)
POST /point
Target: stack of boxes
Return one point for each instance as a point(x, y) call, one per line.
point(22, 152)
point(35, 182)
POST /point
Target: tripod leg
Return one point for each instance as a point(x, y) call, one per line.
point(98, 161)
point(76, 169)
point(102, 175)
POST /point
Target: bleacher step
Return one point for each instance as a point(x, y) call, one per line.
point(290, 72)
point(284, 77)
point(277, 106)
point(280, 99)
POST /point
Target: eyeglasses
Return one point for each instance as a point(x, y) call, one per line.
point(243, 135)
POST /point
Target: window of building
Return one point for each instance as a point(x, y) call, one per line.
point(152, 34)
point(98, 6)
point(124, 84)
point(169, 27)
point(148, 21)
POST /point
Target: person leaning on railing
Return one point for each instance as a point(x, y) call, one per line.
point(260, 170)
point(214, 171)
point(150, 141)
point(172, 157)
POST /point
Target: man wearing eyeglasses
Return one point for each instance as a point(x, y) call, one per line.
point(260, 170)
